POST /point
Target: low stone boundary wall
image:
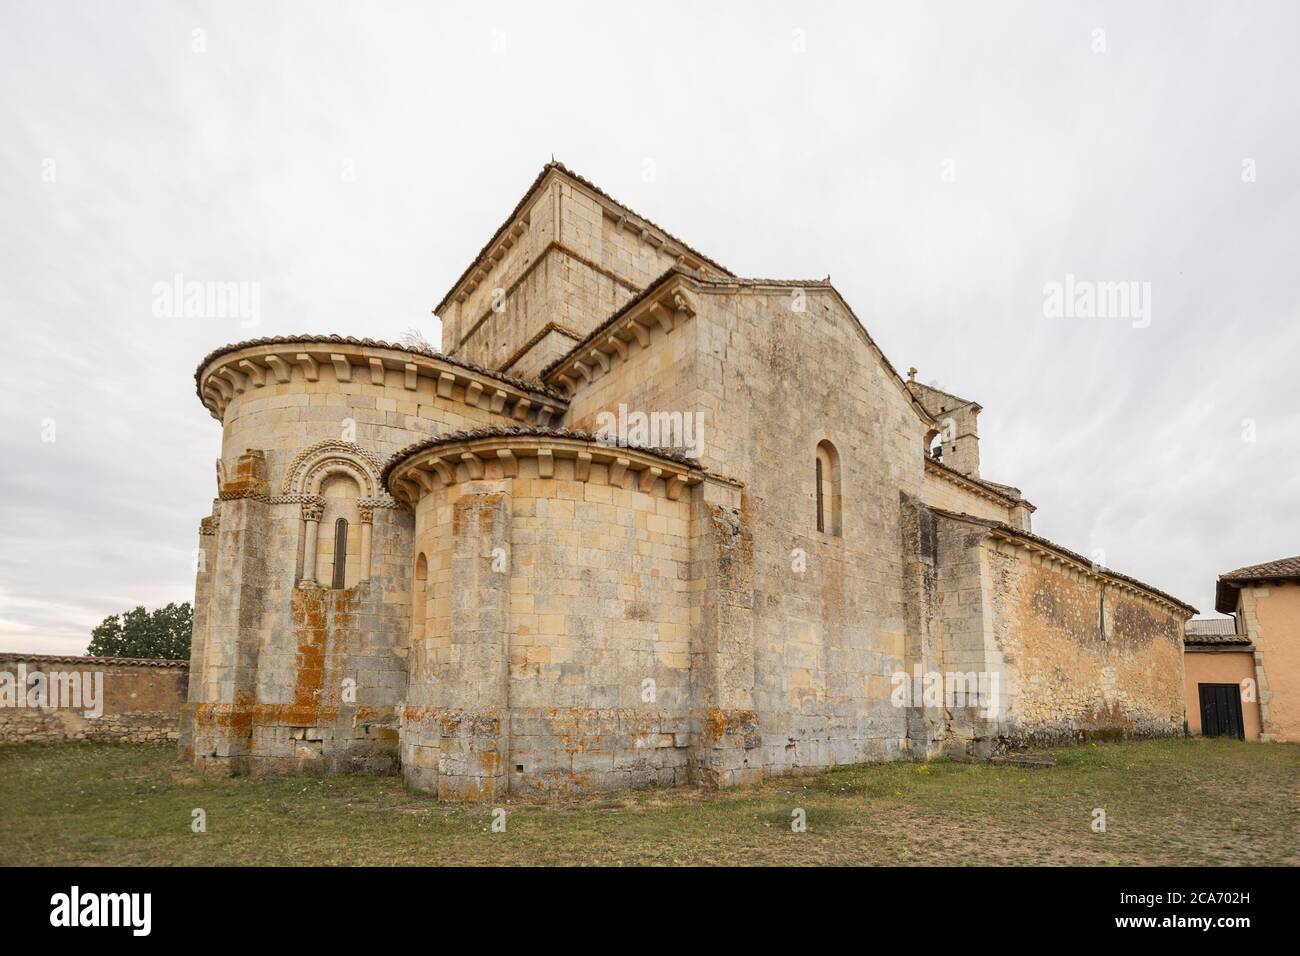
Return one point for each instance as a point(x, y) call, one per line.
point(48, 698)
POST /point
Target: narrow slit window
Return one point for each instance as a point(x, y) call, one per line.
point(829, 493)
point(821, 499)
point(419, 597)
point(340, 552)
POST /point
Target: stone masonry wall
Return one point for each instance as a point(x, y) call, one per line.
point(292, 676)
point(1077, 656)
point(816, 621)
point(1074, 677)
point(827, 638)
point(141, 701)
point(565, 665)
point(945, 493)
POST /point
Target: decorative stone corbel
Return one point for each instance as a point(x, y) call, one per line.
point(682, 304)
point(238, 382)
point(617, 469)
point(256, 374)
point(446, 471)
point(641, 332)
point(473, 464)
point(279, 368)
point(662, 316)
point(646, 480)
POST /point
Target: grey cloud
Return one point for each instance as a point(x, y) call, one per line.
point(231, 164)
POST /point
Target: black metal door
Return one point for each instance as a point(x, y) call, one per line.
point(1221, 711)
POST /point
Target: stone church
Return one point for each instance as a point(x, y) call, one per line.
point(642, 521)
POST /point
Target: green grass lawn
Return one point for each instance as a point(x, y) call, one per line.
point(1179, 802)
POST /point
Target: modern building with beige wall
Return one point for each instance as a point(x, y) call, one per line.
point(783, 557)
point(1264, 600)
point(1222, 692)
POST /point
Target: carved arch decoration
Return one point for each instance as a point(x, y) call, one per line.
point(302, 483)
point(314, 463)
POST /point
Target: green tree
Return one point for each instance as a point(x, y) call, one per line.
point(163, 633)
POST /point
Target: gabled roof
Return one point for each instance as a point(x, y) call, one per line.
point(547, 170)
point(914, 385)
point(1270, 570)
point(1280, 569)
point(701, 281)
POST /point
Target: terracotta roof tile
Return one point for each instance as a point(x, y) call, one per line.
point(1281, 568)
point(89, 661)
point(1225, 592)
point(520, 382)
point(519, 431)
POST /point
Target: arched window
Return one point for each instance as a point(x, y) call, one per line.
point(828, 490)
point(340, 553)
point(419, 597)
point(338, 545)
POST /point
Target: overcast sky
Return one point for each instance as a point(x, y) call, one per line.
point(942, 162)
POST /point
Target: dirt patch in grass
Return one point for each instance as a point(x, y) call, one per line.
point(1176, 802)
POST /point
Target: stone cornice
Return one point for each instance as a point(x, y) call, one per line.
point(250, 365)
point(976, 487)
point(537, 337)
point(495, 453)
